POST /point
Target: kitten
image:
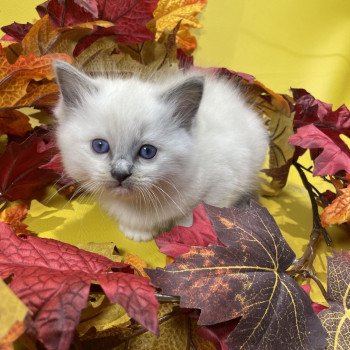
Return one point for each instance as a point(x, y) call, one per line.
point(153, 149)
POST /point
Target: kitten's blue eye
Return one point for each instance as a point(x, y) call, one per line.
point(147, 151)
point(100, 146)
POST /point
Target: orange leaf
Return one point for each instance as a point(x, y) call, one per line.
point(169, 14)
point(15, 79)
point(137, 263)
point(14, 216)
point(338, 211)
point(14, 123)
point(6, 343)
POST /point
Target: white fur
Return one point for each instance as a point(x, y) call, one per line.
point(216, 161)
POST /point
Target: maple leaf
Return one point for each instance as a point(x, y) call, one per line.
point(129, 18)
point(180, 239)
point(335, 319)
point(245, 278)
point(169, 13)
point(44, 38)
point(14, 123)
point(338, 211)
point(317, 307)
point(14, 217)
point(309, 110)
point(53, 280)
point(335, 155)
point(17, 31)
point(16, 79)
point(20, 174)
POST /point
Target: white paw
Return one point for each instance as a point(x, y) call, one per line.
point(137, 235)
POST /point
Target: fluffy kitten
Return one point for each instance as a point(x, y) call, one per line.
point(152, 150)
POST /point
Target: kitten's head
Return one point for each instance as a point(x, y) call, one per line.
point(126, 136)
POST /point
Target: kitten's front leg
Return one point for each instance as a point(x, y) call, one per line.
point(137, 235)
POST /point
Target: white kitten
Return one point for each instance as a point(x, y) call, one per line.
point(152, 150)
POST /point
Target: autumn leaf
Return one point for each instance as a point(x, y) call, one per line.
point(17, 31)
point(53, 279)
point(43, 38)
point(169, 13)
point(20, 80)
point(245, 278)
point(338, 211)
point(180, 239)
point(14, 216)
point(335, 319)
point(137, 264)
point(317, 307)
point(12, 315)
point(129, 19)
point(309, 110)
point(7, 342)
point(334, 156)
point(20, 173)
point(14, 123)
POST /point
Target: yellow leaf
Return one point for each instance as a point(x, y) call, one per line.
point(12, 314)
point(169, 13)
point(107, 249)
point(338, 212)
point(105, 316)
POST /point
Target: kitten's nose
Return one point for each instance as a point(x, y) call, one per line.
point(120, 175)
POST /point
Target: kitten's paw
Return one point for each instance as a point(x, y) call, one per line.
point(137, 235)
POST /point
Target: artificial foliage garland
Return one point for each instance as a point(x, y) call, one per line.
point(147, 34)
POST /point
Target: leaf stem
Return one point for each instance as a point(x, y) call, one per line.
point(317, 227)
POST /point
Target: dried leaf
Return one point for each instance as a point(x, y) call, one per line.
point(180, 239)
point(335, 155)
point(246, 278)
point(14, 217)
point(14, 123)
point(338, 211)
point(169, 14)
point(6, 343)
point(16, 79)
point(20, 173)
point(335, 319)
point(50, 276)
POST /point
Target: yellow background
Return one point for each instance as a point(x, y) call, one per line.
point(294, 43)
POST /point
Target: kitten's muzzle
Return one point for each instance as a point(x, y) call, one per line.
point(120, 175)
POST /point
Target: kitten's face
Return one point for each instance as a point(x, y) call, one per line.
point(121, 136)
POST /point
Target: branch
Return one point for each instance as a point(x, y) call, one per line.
point(304, 265)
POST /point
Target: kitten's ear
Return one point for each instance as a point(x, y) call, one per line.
point(73, 84)
point(186, 98)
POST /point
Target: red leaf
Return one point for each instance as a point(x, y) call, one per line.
point(180, 239)
point(17, 30)
point(20, 173)
point(129, 17)
point(53, 279)
point(309, 110)
point(65, 13)
point(335, 155)
point(317, 307)
point(218, 333)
